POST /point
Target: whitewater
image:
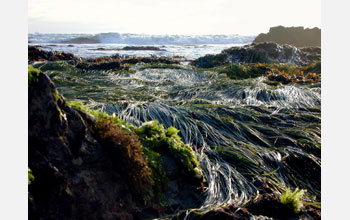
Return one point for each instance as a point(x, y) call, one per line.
point(106, 44)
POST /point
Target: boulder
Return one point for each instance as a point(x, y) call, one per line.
point(75, 176)
point(81, 167)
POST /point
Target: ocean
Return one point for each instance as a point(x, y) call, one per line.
point(189, 47)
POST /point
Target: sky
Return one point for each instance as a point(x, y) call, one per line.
point(188, 17)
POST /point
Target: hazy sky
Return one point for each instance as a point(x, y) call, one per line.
point(246, 17)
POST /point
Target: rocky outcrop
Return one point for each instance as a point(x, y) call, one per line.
point(296, 36)
point(75, 177)
point(114, 62)
point(312, 53)
point(82, 40)
point(259, 53)
point(165, 60)
point(142, 48)
point(36, 54)
point(88, 169)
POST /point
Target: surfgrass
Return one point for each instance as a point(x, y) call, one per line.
point(236, 129)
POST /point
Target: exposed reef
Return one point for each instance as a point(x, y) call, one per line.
point(142, 48)
point(266, 52)
point(152, 48)
point(82, 40)
point(37, 54)
point(280, 63)
point(98, 63)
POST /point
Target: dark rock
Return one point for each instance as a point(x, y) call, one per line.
point(265, 206)
point(142, 48)
point(78, 175)
point(279, 78)
point(231, 212)
point(312, 53)
point(135, 60)
point(100, 66)
point(103, 49)
point(82, 40)
point(181, 193)
point(36, 54)
point(259, 53)
point(228, 213)
point(297, 36)
point(306, 167)
point(269, 205)
point(210, 60)
point(75, 176)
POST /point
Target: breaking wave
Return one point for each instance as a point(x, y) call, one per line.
point(141, 39)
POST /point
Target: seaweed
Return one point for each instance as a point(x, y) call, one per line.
point(31, 177)
point(33, 74)
point(155, 142)
point(126, 148)
point(293, 199)
point(156, 138)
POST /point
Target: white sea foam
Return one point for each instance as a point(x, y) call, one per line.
point(143, 39)
point(188, 46)
point(189, 52)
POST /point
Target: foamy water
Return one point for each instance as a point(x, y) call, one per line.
point(189, 47)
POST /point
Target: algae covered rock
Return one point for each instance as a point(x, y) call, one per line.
point(76, 176)
point(90, 165)
point(37, 54)
point(266, 52)
point(174, 165)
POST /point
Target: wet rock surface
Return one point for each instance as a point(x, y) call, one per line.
point(228, 213)
point(37, 54)
point(115, 62)
point(76, 175)
point(266, 52)
point(142, 48)
point(312, 53)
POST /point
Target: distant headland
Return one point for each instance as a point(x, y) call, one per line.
point(297, 36)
